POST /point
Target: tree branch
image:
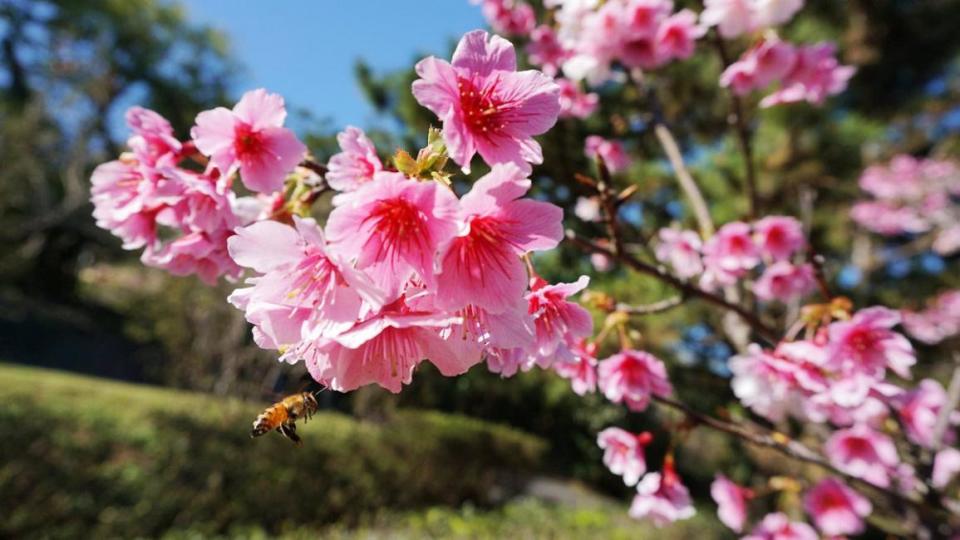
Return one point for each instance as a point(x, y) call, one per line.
point(764, 331)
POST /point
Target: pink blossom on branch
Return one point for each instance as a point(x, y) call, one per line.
point(863, 452)
point(559, 323)
point(731, 502)
point(486, 106)
point(612, 153)
point(816, 74)
point(250, 138)
point(681, 250)
point(623, 453)
point(919, 410)
point(392, 227)
point(632, 377)
point(779, 237)
point(777, 526)
point(662, 498)
point(481, 264)
point(574, 102)
point(355, 164)
point(867, 345)
point(784, 281)
point(836, 509)
point(582, 370)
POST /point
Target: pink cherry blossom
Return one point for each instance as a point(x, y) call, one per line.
point(299, 283)
point(632, 377)
point(866, 344)
point(582, 370)
point(766, 383)
point(126, 203)
point(153, 141)
point(836, 509)
point(197, 252)
point(546, 51)
point(815, 75)
point(946, 465)
point(574, 102)
point(486, 106)
point(559, 323)
point(731, 502)
point(355, 164)
point(676, 38)
point(623, 453)
point(779, 237)
point(862, 452)
point(481, 265)
point(385, 349)
point(919, 410)
point(250, 138)
point(681, 250)
point(767, 13)
point(587, 209)
point(611, 152)
point(731, 17)
point(777, 526)
point(784, 281)
point(661, 498)
point(509, 17)
point(939, 321)
point(392, 227)
point(731, 251)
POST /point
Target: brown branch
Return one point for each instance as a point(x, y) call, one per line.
point(736, 120)
point(797, 451)
point(651, 309)
point(766, 332)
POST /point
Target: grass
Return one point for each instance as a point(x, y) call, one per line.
point(84, 457)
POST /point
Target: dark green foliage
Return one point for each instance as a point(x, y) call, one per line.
point(82, 458)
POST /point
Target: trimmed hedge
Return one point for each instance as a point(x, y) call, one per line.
point(83, 457)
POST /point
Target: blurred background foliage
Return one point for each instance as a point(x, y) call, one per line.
point(70, 298)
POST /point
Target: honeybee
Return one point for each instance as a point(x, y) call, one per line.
point(283, 415)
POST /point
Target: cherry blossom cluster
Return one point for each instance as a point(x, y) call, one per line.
point(739, 248)
point(940, 320)
point(183, 216)
point(912, 196)
point(808, 73)
point(733, 18)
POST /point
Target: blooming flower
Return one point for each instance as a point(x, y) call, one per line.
point(779, 237)
point(731, 17)
point(197, 252)
point(611, 152)
point(662, 498)
point(946, 465)
point(784, 281)
point(815, 75)
point(676, 38)
point(250, 138)
point(623, 453)
point(777, 526)
point(731, 252)
point(126, 203)
point(836, 509)
point(509, 17)
point(559, 323)
point(153, 142)
point(681, 250)
point(731, 502)
point(481, 265)
point(582, 370)
point(300, 282)
point(866, 344)
point(919, 410)
point(486, 106)
point(385, 349)
point(546, 51)
point(632, 377)
point(575, 103)
point(393, 227)
point(767, 13)
point(864, 453)
point(356, 164)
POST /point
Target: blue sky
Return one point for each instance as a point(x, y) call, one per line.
point(305, 49)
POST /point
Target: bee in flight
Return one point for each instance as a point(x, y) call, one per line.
point(283, 415)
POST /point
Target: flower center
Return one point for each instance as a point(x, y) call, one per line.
point(313, 277)
point(247, 143)
point(480, 112)
point(398, 227)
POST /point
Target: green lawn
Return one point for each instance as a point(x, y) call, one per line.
point(84, 457)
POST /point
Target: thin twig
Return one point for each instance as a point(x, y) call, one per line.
point(654, 308)
point(688, 289)
point(687, 184)
point(790, 448)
